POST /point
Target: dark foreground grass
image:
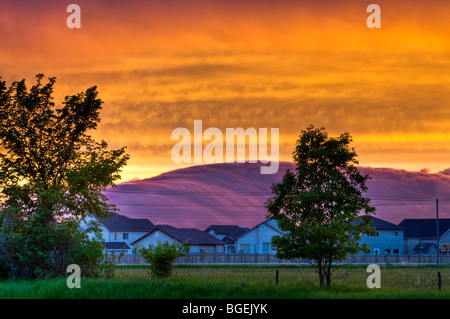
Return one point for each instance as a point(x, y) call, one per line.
point(239, 282)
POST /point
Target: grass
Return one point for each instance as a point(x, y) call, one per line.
point(239, 282)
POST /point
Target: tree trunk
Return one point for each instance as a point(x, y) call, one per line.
point(320, 271)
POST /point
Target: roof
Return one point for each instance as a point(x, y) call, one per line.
point(423, 247)
point(120, 223)
point(424, 227)
point(116, 245)
point(192, 235)
point(380, 224)
point(231, 230)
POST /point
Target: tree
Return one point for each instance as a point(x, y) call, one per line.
point(162, 256)
point(51, 170)
point(321, 207)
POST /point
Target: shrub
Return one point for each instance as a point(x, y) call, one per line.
point(162, 256)
point(30, 250)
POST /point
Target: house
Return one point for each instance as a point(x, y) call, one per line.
point(257, 239)
point(387, 238)
point(120, 231)
point(420, 235)
point(228, 234)
point(199, 241)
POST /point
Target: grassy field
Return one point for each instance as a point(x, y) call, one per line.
point(240, 282)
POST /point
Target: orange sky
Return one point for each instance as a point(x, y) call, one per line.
point(261, 64)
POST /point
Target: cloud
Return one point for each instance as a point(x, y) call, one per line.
point(445, 171)
point(198, 196)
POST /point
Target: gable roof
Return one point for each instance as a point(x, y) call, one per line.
point(256, 226)
point(192, 235)
point(121, 223)
point(231, 230)
point(423, 247)
point(424, 227)
point(381, 224)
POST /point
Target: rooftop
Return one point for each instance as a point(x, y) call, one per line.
point(231, 230)
point(424, 227)
point(120, 223)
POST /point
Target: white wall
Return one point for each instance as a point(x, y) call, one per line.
point(154, 237)
point(104, 230)
point(159, 235)
point(259, 239)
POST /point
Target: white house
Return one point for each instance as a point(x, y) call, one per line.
point(199, 241)
point(120, 231)
point(387, 239)
point(257, 239)
point(228, 234)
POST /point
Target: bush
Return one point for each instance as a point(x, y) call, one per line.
point(30, 250)
point(162, 256)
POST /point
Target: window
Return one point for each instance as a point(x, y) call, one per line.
point(245, 248)
point(376, 234)
point(396, 251)
point(376, 251)
point(266, 247)
point(387, 251)
point(125, 235)
point(395, 233)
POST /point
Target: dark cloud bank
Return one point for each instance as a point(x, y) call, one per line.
point(202, 195)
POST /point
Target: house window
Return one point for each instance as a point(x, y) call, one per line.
point(376, 234)
point(396, 251)
point(376, 251)
point(266, 247)
point(387, 251)
point(395, 233)
point(125, 235)
point(245, 248)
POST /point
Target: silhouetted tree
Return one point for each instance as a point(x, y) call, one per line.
point(320, 206)
point(51, 172)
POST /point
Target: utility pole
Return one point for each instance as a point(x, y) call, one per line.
point(437, 232)
point(437, 250)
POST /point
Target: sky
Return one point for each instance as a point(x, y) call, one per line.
point(160, 65)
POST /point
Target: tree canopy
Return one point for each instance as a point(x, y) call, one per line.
point(321, 207)
point(51, 169)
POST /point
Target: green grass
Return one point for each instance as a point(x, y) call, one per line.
point(241, 282)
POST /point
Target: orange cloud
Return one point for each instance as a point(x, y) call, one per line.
point(160, 65)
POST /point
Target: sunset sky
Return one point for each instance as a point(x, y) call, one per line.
point(160, 65)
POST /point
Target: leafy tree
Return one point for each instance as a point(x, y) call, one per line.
point(321, 207)
point(162, 256)
point(51, 171)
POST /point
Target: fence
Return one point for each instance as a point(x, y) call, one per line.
point(265, 259)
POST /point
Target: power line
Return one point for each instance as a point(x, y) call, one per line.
point(191, 193)
point(244, 194)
